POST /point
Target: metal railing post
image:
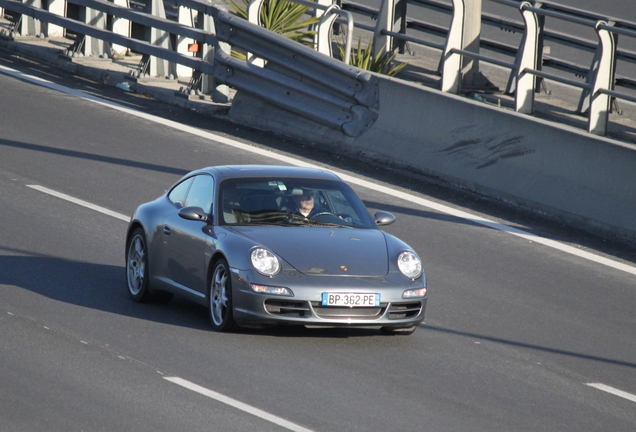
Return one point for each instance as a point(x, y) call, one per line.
point(254, 16)
point(30, 26)
point(470, 42)
point(209, 85)
point(157, 67)
point(121, 27)
point(91, 46)
point(401, 24)
point(451, 61)
point(524, 99)
point(322, 38)
point(254, 11)
point(322, 41)
point(603, 80)
point(185, 16)
point(386, 19)
point(57, 7)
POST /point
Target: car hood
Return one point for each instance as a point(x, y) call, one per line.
point(325, 251)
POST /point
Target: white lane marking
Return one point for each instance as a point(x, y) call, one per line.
point(614, 391)
point(237, 404)
point(348, 178)
point(80, 202)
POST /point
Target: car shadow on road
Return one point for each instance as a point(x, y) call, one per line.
point(533, 347)
point(97, 286)
point(93, 157)
point(418, 212)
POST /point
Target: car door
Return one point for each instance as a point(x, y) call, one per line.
point(187, 242)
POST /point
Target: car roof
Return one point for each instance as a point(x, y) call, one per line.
point(245, 171)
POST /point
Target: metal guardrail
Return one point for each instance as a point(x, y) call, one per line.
point(297, 78)
point(320, 98)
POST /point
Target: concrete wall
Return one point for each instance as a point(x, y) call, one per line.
point(553, 169)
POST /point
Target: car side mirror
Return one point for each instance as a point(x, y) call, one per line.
point(193, 213)
point(384, 218)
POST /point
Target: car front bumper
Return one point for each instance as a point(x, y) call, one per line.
point(305, 307)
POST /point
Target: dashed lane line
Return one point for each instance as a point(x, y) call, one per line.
point(238, 404)
point(80, 202)
point(614, 391)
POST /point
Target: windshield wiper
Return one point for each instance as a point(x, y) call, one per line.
point(312, 222)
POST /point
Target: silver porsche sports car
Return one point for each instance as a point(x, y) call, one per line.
point(263, 245)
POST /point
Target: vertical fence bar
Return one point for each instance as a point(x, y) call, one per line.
point(584, 100)
point(30, 26)
point(524, 99)
point(121, 27)
point(464, 34)
point(186, 17)
point(322, 39)
point(220, 92)
point(452, 62)
point(57, 7)
point(603, 80)
point(471, 40)
point(400, 25)
point(157, 67)
point(93, 46)
point(254, 16)
point(385, 22)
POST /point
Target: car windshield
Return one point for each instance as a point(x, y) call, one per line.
point(291, 202)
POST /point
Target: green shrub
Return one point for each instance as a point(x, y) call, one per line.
point(362, 57)
point(281, 16)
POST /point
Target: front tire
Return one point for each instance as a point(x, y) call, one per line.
point(137, 273)
point(220, 298)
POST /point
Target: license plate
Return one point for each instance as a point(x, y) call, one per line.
point(350, 299)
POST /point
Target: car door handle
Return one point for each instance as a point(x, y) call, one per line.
point(167, 230)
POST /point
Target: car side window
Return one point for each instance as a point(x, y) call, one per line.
point(201, 193)
point(178, 193)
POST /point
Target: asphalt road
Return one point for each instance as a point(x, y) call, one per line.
point(516, 330)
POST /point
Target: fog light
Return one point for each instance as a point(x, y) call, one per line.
point(419, 292)
point(273, 290)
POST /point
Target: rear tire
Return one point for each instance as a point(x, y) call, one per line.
point(220, 298)
point(137, 274)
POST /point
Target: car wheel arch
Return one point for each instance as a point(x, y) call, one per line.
point(213, 260)
point(132, 228)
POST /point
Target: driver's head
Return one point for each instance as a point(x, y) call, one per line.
point(305, 201)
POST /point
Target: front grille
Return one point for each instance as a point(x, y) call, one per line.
point(347, 312)
point(287, 308)
point(404, 310)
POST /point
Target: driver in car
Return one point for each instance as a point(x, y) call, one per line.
point(305, 203)
point(305, 206)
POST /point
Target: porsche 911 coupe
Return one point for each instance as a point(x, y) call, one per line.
point(271, 245)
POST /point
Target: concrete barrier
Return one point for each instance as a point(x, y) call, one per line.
point(582, 179)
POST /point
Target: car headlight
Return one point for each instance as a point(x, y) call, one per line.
point(409, 264)
point(265, 262)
